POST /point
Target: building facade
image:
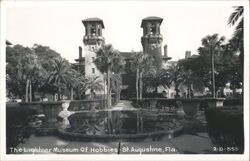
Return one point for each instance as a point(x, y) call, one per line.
point(93, 39)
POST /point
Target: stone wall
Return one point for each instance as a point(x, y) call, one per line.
point(48, 111)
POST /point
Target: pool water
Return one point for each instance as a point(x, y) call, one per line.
point(122, 122)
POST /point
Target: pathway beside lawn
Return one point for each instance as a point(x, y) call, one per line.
point(123, 105)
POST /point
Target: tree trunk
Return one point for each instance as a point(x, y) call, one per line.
point(30, 92)
point(137, 122)
point(59, 93)
point(156, 89)
point(71, 93)
point(27, 91)
point(176, 92)
point(108, 90)
point(188, 92)
point(33, 93)
point(222, 92)
point(213, 76)
point(105, 93)
point(119, 96)
point(141, 122)
point(137, 83)
point(140, 83)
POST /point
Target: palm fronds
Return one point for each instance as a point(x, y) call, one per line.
point(234, 17)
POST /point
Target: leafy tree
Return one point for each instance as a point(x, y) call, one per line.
point(24, 71)
point(46, 55)
point(107, 61)
point(33, 69)
point(15, 79)
point(226, 63)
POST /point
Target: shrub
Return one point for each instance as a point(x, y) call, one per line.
point(17, 126)
point(225, 127)
point(152, 95)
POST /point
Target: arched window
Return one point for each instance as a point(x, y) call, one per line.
point(152, 29)
point(93, 30)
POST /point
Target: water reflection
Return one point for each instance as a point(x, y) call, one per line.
point(121, 122)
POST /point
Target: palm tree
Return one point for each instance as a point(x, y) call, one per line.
point(140, 62)
point(174, 75)
point(61, 74)
point(73, 82)
point(212, 45)
point(92, 83)
point(237, 17)
point(156, 78)
point(116, 85)
point(107, 61)
point(191, 81)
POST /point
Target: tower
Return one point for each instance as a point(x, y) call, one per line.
point(187, 54)
point(92, 41)
point(165, 57)
point(152, 38)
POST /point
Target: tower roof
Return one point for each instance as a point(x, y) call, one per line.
point(151, 18)
point(93, 19)
point(8, 43)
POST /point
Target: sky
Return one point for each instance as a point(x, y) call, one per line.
point(59, 26)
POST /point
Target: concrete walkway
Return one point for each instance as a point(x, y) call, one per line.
point(184, 144)
point(123, 105)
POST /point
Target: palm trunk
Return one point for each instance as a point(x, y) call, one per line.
point(222, 92)
point(71, 93)
point(91, 94)
point(105, 93)
point(176, 92)
point(27, 91)
point(156, 89)
point(137, 83)
point(108, 90)
point(140, 85)
point(33, 93)
point(188, 91)
point(59, 93)
point(30, 92)
point(141, 122)
point(119, 96)
point(213, 76)
point(138, 121)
